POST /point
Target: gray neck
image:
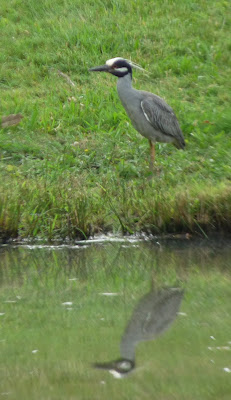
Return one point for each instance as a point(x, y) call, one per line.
point(125, 90)
point(128, 344)
point(124, 83)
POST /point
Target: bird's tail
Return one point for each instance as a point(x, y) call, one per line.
point(180, 143)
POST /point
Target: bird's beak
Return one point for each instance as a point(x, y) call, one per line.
point(101, 68)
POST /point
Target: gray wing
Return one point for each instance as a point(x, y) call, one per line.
point(161, 116)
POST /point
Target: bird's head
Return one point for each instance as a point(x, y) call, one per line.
point(116, 66)
point(118, 368)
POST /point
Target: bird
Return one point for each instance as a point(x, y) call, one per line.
point(152, 316)
point(150, 115)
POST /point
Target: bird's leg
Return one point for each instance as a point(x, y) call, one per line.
point(152, 154)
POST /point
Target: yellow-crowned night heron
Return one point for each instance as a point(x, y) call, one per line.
point(150, 114)
point(152, 316)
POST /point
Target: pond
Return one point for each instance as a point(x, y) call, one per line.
point(154, 313)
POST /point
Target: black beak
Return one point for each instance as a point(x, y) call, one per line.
point(101, 68)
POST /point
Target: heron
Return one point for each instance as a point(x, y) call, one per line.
point(152, 316)
point(150, 115)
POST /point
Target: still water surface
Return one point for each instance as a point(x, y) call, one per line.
point(155, 314)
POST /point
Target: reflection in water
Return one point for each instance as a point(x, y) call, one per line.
point(36, 281)
point(153, 315)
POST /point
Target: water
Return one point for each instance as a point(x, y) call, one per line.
point(66, 309)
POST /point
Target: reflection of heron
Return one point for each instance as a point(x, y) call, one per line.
point(152, 316)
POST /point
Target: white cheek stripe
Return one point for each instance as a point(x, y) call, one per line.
point(122, 69)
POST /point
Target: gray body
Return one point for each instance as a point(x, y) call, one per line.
point(153, 315)
point(150, 115)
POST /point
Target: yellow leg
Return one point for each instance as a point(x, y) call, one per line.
point(152, 154)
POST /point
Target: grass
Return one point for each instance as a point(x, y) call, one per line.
point(75, 166)
point(176, 365)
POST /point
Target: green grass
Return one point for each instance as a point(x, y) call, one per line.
point(176, 365)
point(74, 166)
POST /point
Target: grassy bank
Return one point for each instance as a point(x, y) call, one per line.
point(74, 166)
